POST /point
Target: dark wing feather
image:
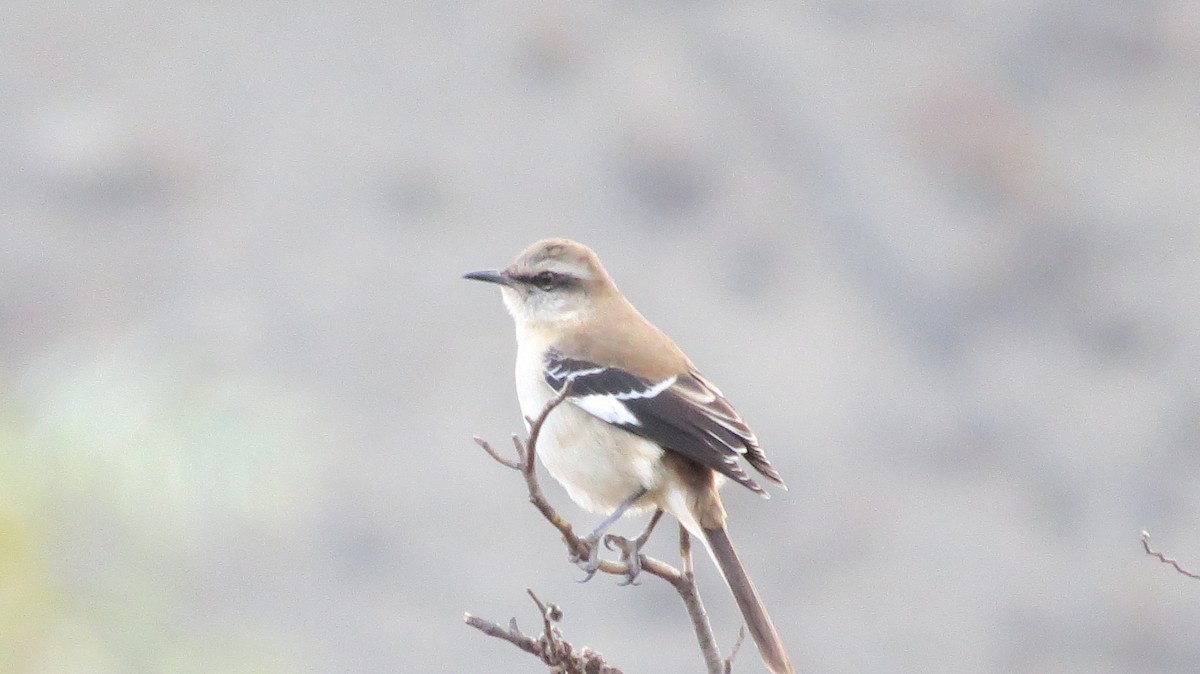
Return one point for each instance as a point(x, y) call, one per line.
point(685, 414)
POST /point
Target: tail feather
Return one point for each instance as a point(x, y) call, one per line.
point(762, 630)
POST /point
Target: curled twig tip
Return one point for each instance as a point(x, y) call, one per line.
point(1163, 558)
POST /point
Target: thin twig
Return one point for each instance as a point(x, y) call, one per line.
point(737, 646)
point(690, 594)
point(487, 447)
point(1163, 558)
point(528, 451)
point(511, 635)
point(535, 425)
point(551, 653)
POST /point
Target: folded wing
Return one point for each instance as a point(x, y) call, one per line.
point(684, 413)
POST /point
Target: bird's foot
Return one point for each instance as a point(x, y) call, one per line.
point(631, 554)
point(590, 560)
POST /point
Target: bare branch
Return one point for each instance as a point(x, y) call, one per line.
point(1163, 558)
point(527, 451)
point(551, 647)
point(511, 635)
point(535, 425)
point(737, 646)
point(690, 594)
point(487, 447)
point(550, 614)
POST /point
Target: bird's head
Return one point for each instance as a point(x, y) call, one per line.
point(554, 281)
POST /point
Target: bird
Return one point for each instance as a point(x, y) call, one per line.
point(643, 430)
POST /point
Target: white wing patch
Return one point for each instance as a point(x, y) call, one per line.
point(611, 406)
point(607, 408)
point(685, 414)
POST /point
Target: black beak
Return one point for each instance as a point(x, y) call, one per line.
point(490, 276)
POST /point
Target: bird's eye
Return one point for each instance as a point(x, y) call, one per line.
point(545, 280)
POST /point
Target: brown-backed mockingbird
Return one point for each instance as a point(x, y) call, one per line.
point(643, 428)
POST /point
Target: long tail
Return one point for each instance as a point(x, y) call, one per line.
point(755, 614)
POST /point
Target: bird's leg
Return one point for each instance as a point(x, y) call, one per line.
point(631, 551)
point(591, 563)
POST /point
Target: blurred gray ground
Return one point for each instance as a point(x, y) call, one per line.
point(943, 256)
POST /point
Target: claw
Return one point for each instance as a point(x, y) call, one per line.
point(630, 549)
point(630, 554)
point(591, 563)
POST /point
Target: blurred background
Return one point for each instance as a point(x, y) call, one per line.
point(943, 256)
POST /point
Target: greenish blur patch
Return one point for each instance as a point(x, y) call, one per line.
point(121, 470)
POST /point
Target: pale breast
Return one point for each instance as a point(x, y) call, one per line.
point(598, 464)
